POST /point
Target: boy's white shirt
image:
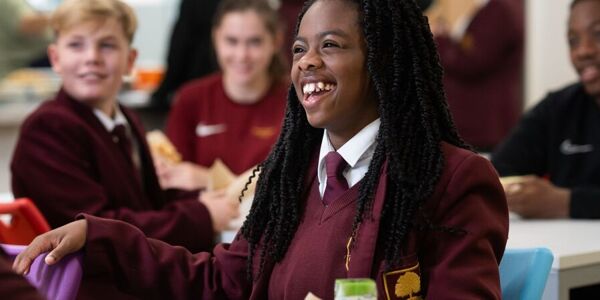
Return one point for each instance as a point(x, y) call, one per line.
point(110, 123)
point(357, 152)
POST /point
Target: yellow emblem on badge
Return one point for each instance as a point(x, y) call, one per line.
point(407, 285)
point(403, 284)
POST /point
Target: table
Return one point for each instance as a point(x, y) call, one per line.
point(575, 245)
point(22, 91)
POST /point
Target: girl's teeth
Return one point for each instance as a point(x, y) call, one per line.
point(310, 88)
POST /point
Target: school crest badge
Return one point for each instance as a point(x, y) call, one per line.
point(403, 284)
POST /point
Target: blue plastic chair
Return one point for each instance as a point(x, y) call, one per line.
point(524, 272)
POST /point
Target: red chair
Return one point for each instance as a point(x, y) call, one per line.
point(25, 224)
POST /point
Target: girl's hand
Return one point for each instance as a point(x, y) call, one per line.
point(60, 242)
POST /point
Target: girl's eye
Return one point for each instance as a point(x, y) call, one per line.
point(329, 44)
point(296, 50)
point(255, 42)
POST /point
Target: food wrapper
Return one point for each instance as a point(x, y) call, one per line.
point(221, 177)
point(160, 145)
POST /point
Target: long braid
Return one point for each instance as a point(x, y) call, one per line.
point(407, 79)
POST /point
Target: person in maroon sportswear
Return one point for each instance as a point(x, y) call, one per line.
point(234, 115)
point(369, 178)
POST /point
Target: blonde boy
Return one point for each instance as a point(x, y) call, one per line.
point(84, 153)
point(92, 51)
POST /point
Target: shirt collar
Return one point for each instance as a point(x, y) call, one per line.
point(108, 122)
point(353, 150)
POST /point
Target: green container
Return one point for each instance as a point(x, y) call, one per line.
point(355, 288)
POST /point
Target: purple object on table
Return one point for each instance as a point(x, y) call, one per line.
point(59, 281)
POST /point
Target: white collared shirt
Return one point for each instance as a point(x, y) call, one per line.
point(357, 152)
point(110, 123)
point(119, 119)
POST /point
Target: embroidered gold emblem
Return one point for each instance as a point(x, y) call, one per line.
point(407, 285)
point(403, 284)
point(263, 132)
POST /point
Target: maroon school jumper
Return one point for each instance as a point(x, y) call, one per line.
point(331, 225)
point(450, 266)
point(205, 124)
point(67, 163)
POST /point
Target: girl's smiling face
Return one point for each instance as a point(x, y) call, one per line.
point(244, 47)
point(329, 70)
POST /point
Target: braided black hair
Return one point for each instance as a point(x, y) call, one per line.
point(404, 68)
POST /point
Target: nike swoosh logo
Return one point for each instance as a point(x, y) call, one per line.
point(567, 148)
point(204, 130)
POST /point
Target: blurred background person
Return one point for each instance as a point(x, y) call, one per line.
point(553, 155)
point(234, 115)
point(556, 145)
point(480, 43)
point(24, 35)
point(83, 152)
point(190, 53)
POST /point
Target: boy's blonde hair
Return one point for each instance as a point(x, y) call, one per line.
point(74, 12)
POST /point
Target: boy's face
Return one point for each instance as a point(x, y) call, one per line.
point(329, 70)
point(244, 47)
point(584, 44)
point(92, 59)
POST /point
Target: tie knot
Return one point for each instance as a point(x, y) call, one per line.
point(335, 164)
point(119, 132)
